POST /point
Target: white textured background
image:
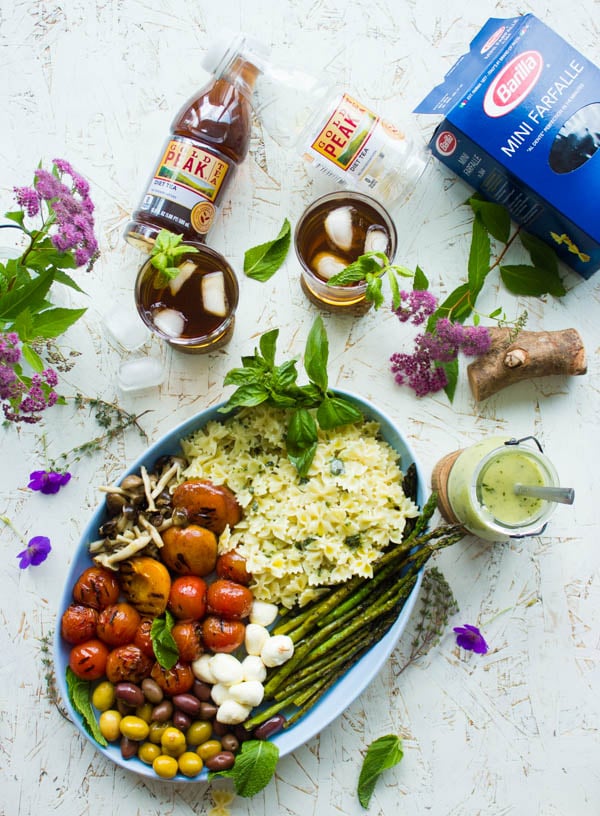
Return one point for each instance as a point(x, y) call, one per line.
point(513, 732)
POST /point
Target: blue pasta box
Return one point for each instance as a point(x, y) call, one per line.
point(521, 124)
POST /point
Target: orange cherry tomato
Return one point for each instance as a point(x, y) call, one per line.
point(188, 637)
point(96, 587)
point(177, 680)
point(207, 504)
point(220, 635)
point(128, 664)
point(228, 599)
point(88, 660)
point(232, 565)
point(190, 550)
point(78, 623)
point(117, 624)
point(142, 638)
point(187, 597)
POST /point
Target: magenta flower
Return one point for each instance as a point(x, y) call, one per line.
point(48, 481)
point(36, 551)
point(470, 638)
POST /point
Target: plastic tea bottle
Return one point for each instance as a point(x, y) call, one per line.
point(339, 136)
point(209, 138)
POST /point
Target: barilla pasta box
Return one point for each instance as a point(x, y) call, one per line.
point(522, 126)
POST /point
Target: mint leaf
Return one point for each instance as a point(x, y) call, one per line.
point(382, 754)
point(316, 354)
point(163, 641)
point(167, 250)
point(479, 257)
point(370, 263)
point(495, 218)
point(540, 253)
point(262, 261)
point(521, 279)
point(254, 767)
point(80, 696)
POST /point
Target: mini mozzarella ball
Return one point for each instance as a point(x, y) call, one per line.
point(202, 669)
point(256, 637)
point(226, 668)
point(263, 613)
point(232, 713)
point(254, 668)
point(220, 693)
point(277, 650)
point(249, 692)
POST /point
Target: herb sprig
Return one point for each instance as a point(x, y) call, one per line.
point(382, 753)
point(372, 267)
point(312, 406)
point(166, 252)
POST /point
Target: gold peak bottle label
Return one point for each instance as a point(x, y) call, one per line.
point(185, 185)
point(355, 146)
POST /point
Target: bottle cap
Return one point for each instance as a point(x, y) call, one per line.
point(225, 47)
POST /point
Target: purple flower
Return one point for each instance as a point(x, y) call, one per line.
point(36, 551)
point(48, 481)
point(28, 200)
point(469, 637)
point(416, 306)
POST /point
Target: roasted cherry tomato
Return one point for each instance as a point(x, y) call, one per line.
point(88, 660)
point(177, 680)
point(117, 624)
point(187, 598)
point(78, 623)
point(207, 504)
point(96, 587)
point(190, 550)
point(228, 599)
point(142, 637)
point(221, 635)
point(232, 565)
point(128, 664)
point(188, 637)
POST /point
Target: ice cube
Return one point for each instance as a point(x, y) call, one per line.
point(169, 321)
point(125, 327)
point(326, 264)
point(186, 269)
point(214, 298)
point(140, 373)
point(377, 239)
point(338, 226)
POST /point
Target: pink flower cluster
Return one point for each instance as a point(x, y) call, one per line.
point(23, 399)
point(70, 207)
point(421, 370)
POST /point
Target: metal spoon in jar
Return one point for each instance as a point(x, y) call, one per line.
point(562, 495)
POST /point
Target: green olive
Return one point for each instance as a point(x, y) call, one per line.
point(103, 696)
point(109, 723)
point(156, 730)
point(190, 763)
point(134, 727)
point(198, 732)
point(148, 752)
point(165, 766)
point(209, 749)
point(144, 712)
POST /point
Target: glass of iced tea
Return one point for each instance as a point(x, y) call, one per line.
point(334, 231)
point(195, 310)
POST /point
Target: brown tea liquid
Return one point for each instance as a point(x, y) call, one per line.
point(210, 137)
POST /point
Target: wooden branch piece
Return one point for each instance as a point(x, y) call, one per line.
point(532, 354)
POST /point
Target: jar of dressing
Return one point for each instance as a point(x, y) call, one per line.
point(477, 488)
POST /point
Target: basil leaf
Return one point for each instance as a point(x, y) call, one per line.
point(246, 396)
point(495, 218)
point(316, 354)
point(163, 642)
point(262, 261)
point(521, 279)
point(382, 753)
point(254, 767)
point(80, 696)
point(336, 411)
point(268, 344)
point(301, 440)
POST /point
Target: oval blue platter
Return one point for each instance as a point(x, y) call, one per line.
point(345, 690)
